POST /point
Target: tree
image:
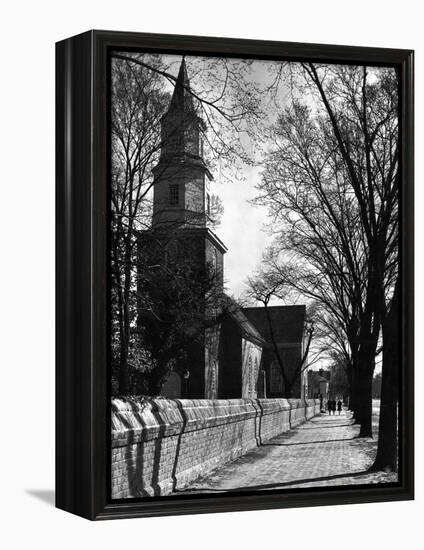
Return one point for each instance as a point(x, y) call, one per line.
point(317, 249)
point(330, 183)
point(376, 386)
point(362, 108)
point(137, 105)
point(387, 455)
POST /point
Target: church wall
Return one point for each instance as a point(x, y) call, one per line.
point(162, 210)
point(196, 366)
point(160, 444)
point(251, 362)
point(191, 194)
point(291, 357)
point(195, 194)
point(212, 336)
point(230, 359)
point(215, 258)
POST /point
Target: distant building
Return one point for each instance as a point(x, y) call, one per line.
point(233, 357)
point(319, 384)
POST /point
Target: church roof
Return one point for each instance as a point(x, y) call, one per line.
point(248, 330)
point(182, 98)
point(287, 322)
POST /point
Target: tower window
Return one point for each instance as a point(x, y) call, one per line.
point(174, 195)
point(208, 204)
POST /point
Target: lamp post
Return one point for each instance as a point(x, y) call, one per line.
point(186, 376)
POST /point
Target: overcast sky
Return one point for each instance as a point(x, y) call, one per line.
point(241, 229)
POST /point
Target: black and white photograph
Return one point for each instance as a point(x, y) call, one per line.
point(211, 231)
point(254, 280)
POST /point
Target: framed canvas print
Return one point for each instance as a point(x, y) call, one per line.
point(234, 274)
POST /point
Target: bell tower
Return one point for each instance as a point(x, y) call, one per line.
point(181, 177)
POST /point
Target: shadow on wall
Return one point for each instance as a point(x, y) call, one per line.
point(178, 447)
point(135, 456)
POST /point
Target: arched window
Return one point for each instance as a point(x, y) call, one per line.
point(249, 376)
point(255, 374)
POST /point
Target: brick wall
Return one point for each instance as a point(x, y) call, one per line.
point(159, 445)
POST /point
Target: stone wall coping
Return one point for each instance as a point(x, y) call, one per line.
point(136, 419)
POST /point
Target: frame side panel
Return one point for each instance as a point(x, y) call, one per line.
point(73, 272)
point(407, 274)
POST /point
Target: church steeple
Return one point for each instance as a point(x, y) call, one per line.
point(186, 243)
point(182, 98)
point(181, 175)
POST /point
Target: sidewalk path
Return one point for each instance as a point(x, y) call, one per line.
point(321, 452)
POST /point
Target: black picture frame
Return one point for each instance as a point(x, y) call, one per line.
point(82, 404)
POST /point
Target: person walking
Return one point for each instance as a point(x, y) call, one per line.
point(339, 406)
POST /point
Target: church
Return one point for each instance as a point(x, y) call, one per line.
point(227, 349)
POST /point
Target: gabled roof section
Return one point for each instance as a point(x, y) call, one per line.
point(247, 329)
point(287, 322)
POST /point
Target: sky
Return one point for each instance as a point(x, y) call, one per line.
point(241, 229)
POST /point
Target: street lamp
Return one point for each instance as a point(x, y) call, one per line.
point(186, 376)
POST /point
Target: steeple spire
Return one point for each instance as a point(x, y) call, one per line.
point(182, 98)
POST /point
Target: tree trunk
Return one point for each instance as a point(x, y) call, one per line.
point(387, 449)
point(365, 371)
point(364, 416)
point(353, 399)
point(287, 391)
point(124, 369)
point(124, 375)
point(286, 382)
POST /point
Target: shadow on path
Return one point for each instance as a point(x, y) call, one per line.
point(275, 485)
point(320, 441)
point(327, 425)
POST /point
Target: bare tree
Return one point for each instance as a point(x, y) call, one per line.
point(137, 105)
point(362, 107)
point(331, 186)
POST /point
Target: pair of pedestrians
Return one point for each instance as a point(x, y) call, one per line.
point(332, 405)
